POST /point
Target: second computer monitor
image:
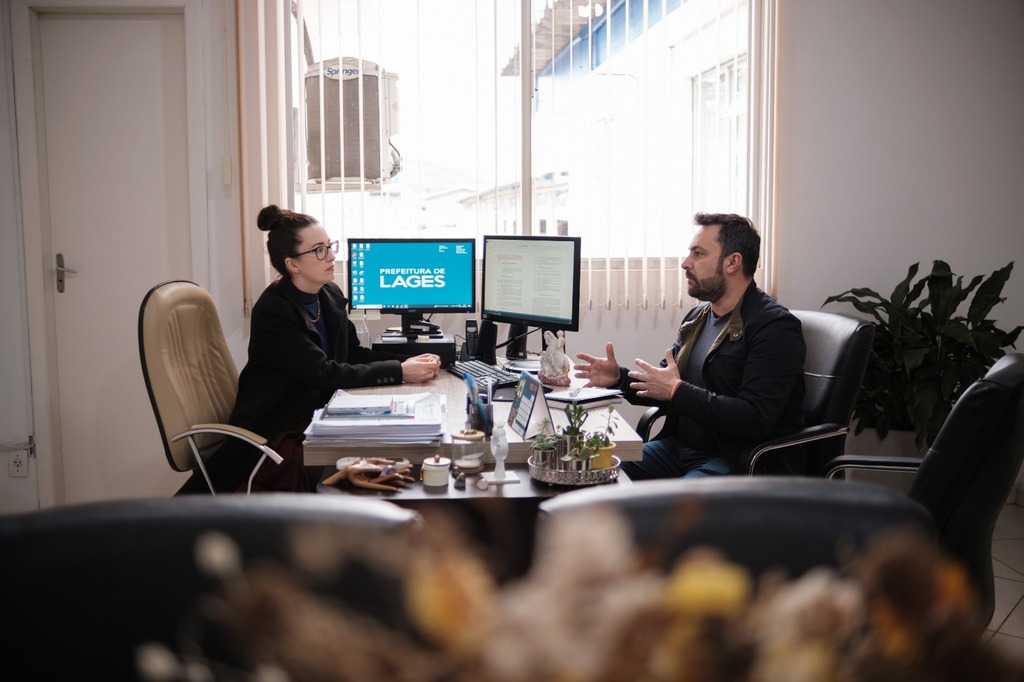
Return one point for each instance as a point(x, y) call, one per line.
point(530, 281)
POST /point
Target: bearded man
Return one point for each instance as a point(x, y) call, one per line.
point(733, 377)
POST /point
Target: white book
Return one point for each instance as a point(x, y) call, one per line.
point(592, 396)
point(345, 403)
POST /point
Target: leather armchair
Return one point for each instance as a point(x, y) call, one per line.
point(762, 523)
point(968, 472)
point(837, 355)
point(91, 582)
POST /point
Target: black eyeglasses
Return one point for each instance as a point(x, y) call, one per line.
point(321, 250)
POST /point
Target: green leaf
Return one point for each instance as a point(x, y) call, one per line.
point(912, 358)
point(988, 294)
point(899, 294)
point(924, 354)
point(949, 382)
point(958, 331)
point(940, 288)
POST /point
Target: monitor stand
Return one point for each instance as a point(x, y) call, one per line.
point(515, 346)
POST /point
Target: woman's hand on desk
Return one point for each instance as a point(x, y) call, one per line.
point(603, 372)
point(421, 368)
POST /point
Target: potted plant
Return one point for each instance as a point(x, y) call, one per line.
point(545, 444)
point(924, 353)
point(572, 432)
point(595, 447)
point(603, 439)
point(584, 450)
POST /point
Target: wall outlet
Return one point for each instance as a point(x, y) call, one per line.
point(17, 466)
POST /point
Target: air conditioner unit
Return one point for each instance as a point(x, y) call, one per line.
point(342, 115)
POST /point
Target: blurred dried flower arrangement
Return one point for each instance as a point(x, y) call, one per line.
point(589, 610)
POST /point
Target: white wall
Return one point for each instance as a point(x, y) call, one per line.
point(901, 139)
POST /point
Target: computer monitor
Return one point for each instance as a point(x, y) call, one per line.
point(412, 278)
point(530, 281)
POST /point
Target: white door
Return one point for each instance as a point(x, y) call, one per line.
point(114, 203)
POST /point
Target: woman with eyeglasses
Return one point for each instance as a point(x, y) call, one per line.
point(302, 347)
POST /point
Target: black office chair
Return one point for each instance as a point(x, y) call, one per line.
point(89, 583)
point(967, 475)
point(838, 347)
point(763, 523)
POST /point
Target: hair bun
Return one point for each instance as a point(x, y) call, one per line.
point(267, 218)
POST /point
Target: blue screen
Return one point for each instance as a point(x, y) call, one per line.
point(412, 275)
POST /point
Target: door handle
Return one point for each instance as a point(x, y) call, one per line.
point(29, 446)
point(61, 271)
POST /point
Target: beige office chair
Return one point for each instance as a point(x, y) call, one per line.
point(190, 377)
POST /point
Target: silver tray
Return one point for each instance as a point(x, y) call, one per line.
point(588, 477)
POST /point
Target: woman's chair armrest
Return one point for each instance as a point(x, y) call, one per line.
point(254, 439)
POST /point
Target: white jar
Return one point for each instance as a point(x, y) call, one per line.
point(435, 471)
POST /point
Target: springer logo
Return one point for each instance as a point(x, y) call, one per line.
point(344, 73)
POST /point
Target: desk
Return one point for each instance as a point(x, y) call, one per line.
point(628, 445)
point(501, 519)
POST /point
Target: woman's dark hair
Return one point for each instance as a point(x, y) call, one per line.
point(736, 235)
point(282, 227)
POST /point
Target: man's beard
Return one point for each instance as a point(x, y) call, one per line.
point(709, 289)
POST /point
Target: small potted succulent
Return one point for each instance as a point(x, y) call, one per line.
point(595, 447)
point(603, 459)
point(572, 433)
point(545, 445)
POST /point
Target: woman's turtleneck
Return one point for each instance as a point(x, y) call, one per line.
point(311, 302)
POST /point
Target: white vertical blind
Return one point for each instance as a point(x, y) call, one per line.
point(629, 117)
point(648, 130)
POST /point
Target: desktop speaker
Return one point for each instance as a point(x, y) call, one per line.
point(488, 341)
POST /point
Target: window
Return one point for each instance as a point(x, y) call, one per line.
point(639, 118)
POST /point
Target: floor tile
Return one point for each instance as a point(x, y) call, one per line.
point(1014, 623)
point(1001, 570)
point(1010, 524)
point(1013, 646)
point(1008, 597)
point(1009, 552)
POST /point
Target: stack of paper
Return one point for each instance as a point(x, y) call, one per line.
point(413, 418)
point(344, 404)
point(587, 397)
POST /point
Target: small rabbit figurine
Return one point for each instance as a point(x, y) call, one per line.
point(554, 363)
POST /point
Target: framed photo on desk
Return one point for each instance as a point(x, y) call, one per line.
point(529, 408)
